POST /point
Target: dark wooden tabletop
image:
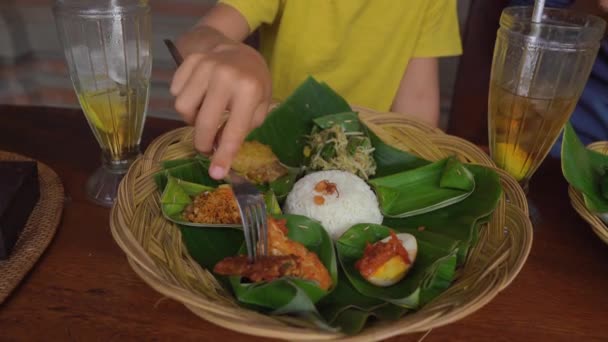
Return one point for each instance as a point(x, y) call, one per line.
point(83, 289)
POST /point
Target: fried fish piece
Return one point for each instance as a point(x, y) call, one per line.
point(310, 266)
point(265, 268)
point(286, 258)
point(258, 163)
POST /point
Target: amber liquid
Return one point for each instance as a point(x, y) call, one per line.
point(116, 116)
point(523, 129)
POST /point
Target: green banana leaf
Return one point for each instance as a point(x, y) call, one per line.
point(283, 296)
point(168, 164)
point(604, 186)
point(288, 298)
point(585, 170)
point(459, 221)
point(424, 189)
point(280, 187)
point(286, 127)
point(349, 310)
point(283, 185)
point(447, 236)
point(208, 246)
point(292, 295)
point(432, 272)
point(178, 195)
point(448, 244)
point(194, 170)
point(389, 159)
point(348, 120)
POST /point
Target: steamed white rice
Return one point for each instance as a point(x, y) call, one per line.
point(353, 203)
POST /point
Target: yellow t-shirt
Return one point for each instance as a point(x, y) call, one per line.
point(361, 48)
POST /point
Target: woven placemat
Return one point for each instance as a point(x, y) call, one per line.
point(38, 231)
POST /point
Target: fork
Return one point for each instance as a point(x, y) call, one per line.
point(253, 215)
point(249, 199)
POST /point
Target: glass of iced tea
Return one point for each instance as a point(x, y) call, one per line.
point(107, 48)
point(538, 73)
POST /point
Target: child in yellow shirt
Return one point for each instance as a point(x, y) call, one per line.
point(380, 54)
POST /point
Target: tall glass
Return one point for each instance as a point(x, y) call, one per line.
point(107, 48)
point(538, 74)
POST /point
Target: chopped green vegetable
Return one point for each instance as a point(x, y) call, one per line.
point(335, 148)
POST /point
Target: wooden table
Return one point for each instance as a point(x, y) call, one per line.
point(83, 289)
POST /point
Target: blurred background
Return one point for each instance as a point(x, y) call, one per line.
point(33, 71)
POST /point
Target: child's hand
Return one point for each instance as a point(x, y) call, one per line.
point(230, 76)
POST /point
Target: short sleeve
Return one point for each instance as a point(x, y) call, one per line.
point(440, 33)
point(255, 12)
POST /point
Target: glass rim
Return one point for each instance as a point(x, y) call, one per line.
point(63, 7)
point(596, 25)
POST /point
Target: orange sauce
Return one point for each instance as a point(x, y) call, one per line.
point(377, 254)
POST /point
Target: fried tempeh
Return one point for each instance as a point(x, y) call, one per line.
point(258, 163)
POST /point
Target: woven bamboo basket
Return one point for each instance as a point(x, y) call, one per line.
point(156, 253)
point(576, 198)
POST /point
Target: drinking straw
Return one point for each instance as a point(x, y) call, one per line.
point(117, 68)
point(537, 14)
point(529, 63)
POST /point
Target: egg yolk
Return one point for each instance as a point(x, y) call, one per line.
point(383, 258)
point(393, 269)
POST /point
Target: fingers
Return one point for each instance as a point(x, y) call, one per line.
point(183, 72)
point(209, 117)
point(205, 85)
point(260, 114)
point(189, 86)
point(237, 127)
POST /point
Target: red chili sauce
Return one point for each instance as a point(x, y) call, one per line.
point(377, 254)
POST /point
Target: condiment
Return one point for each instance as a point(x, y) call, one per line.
point(377, 254)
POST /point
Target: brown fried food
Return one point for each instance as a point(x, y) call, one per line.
point(311, 267)
point(266, 268)
point(258, 163)
point(286, 258)
point(216, 207)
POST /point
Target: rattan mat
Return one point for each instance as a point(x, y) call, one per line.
point(39, 230)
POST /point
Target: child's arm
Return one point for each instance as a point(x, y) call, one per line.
point(439, 36)
point(221, 73)
point(418, 93)
point(221, 19)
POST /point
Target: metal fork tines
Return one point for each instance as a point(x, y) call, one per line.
point(253, 214)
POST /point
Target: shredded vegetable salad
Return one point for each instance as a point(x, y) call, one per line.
point(335, 149)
